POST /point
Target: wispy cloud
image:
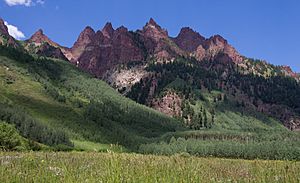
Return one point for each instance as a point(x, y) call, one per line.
point(18, 2)
point(14, 31)
point(24, 2)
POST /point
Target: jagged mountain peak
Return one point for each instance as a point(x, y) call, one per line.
point(152, 22)
point(88, 32)
point(85, 36)
point(40, 31)
point(188, 39)
point(122, 29)
point(152, 25)
point(215, 39)
point(88, 29)
point(39, 38)
point(108, 30)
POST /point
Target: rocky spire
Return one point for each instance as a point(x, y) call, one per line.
point(153, 31)
point(152, 22)
point(85, 38)
point(39, 37)
point(108, 30)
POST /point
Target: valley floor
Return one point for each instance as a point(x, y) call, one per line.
point(122, 167)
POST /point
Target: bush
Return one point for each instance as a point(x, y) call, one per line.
point(10, 139)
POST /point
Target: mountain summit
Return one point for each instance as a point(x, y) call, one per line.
point(39, 38)
point(108, 30)
point(41, 45)
point(188, 39)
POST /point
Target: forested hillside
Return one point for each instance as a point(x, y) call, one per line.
point(226, 84)
point(54, 103)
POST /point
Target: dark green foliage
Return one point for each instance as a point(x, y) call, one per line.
point(10, 139)
point(30, 128)
point(104, 116)
point(205, 119)
point(225, 77)
point(274, 90)
point(229, 149)
point(263, 145)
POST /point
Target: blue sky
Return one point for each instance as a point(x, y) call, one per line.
point(264, 29)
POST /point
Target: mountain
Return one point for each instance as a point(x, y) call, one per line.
point(41, 45)
point(5, 38)
point(171, 75)
point(218, 104)
point(99, 51)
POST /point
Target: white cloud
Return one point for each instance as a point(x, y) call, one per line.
point(14, 31)
point(18, 2)
point(24, 2)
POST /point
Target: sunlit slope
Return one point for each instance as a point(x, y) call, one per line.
point(60, 96)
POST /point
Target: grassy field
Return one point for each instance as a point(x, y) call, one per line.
point(115, 167)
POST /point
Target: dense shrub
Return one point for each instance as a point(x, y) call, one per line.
point(30, 128)
point(10, 139)
point(228, 149)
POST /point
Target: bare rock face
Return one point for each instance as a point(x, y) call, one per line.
point(152, 34)
point(125, 49)
point(50, 51)
point(205, 49)
point(3, 28)
point(41, 45)
point(216, 45)
point(158, 43)
point(39, 38)
point(188, 39)
point(100, 51)
point(108, 30)
point(85, 38)
point(200, 53)
point(287, 71)
point(123, 78)
point(170, 104)
point(109, 48)
point(153, 31)
point(5, 38)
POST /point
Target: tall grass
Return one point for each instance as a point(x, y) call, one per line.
point(111, 167)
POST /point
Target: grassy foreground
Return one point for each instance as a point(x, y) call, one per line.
point(114, 167)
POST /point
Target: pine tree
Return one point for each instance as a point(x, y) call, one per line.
point(205, 118)
point(200, 120)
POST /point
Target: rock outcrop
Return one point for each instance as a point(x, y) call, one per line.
point(85, 38)
point(101, 51)
point(5, 38)
point(189, 40)
point(158, 43)
point(41, 45)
